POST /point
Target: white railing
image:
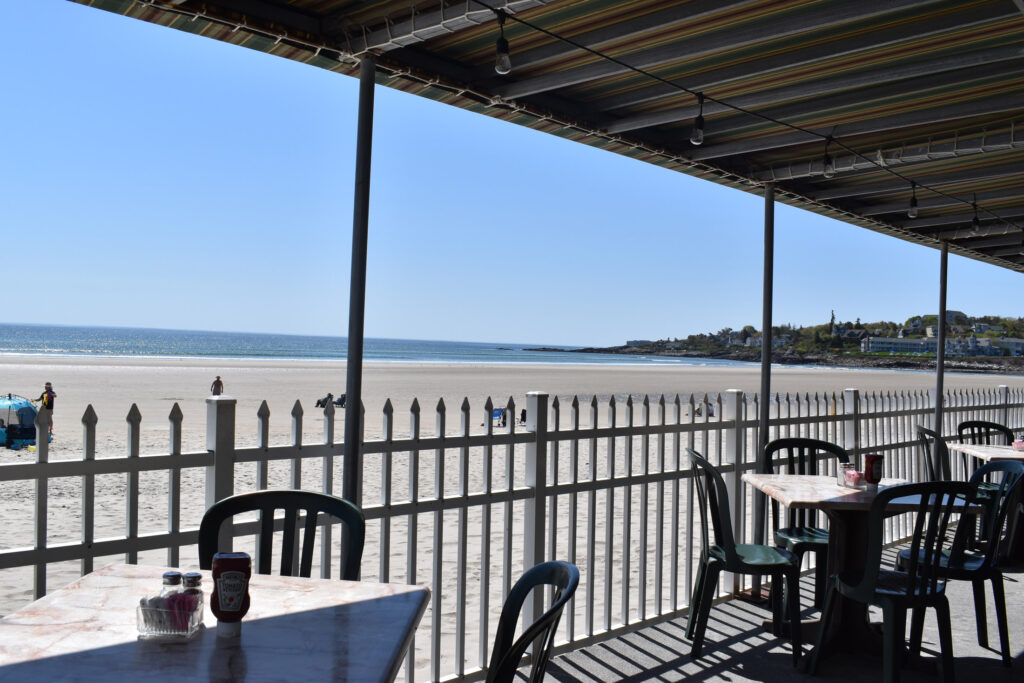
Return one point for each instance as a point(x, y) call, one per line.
point(603, 485)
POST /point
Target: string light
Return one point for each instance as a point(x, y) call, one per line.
point(975, 223)
point(502, 60)
point(828, 165)
point(697, 135)
point(912, 211)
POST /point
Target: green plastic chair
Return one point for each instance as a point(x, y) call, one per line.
point(508, 650)
point(727, 555)
point(311, 503)
point(978, 567)
point(983, 432)
point(918, 586)
point(801, 533)
point(927, 442)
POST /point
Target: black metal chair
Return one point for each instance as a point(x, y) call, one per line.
point(919, 585)
point(727, 555)
point(978, 567)
point(293, 502)
point(508, 651)
point(801, 533)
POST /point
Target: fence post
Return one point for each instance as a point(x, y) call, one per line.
point(733, 449)
point(220, 440)
point(851, 411)
point(536, 479)
point(1004, 405)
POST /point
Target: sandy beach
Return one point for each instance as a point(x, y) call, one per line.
point(112, 385)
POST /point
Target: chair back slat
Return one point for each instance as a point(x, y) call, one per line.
point(266, 542)
point(799, 456)
point(288, 543)
point(311, 504)
point(713, 502)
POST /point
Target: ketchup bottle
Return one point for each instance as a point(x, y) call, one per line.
point(230, 599)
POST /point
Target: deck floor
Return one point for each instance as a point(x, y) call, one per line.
point(736, 649)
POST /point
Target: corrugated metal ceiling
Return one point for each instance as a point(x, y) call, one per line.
point(923, 91)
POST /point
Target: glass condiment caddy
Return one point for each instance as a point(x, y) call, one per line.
point(176, 612)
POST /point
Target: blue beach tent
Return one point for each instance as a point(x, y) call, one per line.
point(17, 422)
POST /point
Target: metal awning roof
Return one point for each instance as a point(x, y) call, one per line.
point(894, 92)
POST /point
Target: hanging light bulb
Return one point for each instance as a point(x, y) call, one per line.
point(697, 134)
point(975, 223)
point(828, 165)
point(912, 211)
point(502, 60)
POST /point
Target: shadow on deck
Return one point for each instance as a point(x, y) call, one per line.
point(736, 649)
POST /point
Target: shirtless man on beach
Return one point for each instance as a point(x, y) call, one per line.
point(217, 388)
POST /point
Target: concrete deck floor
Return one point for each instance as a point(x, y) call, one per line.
point(736, 649)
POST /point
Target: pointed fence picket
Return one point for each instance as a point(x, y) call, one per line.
point(609, 491)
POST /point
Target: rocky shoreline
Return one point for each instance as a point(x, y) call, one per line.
point(988, 364)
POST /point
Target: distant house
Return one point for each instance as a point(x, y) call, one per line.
point(897, 345)
point(855, 335)
point(1012, 345)
point(981, 328)
point(639, 342)
point(955, 346)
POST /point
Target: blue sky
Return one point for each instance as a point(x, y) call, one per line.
point(153, 178)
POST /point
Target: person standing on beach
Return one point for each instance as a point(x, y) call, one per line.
point(217, 388)
point(45, 402)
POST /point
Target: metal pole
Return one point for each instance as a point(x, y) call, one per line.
point(766, 321)
point(940, 352)
point(760, 501)
point(351, 484)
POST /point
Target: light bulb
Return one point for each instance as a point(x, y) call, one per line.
point(912, 211)
point(829, 170)
point(697, 135)
point(502, 61)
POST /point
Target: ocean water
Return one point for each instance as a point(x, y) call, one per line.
point(16, 339)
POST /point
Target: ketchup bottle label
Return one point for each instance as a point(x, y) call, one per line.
point(231, 588)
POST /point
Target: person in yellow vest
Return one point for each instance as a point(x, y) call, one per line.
point(45, 402)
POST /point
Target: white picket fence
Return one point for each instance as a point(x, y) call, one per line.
point(606, 486)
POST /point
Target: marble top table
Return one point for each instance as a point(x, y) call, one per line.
point(296, 629)
point(847, 511)
point(818, 492)
point(986, 453)
point(1015, 550)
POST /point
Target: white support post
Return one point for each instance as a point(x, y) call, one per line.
point(1004, 405)
point(851, 421)
point(536, 479)
point(733, 448)
point(220, 440)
